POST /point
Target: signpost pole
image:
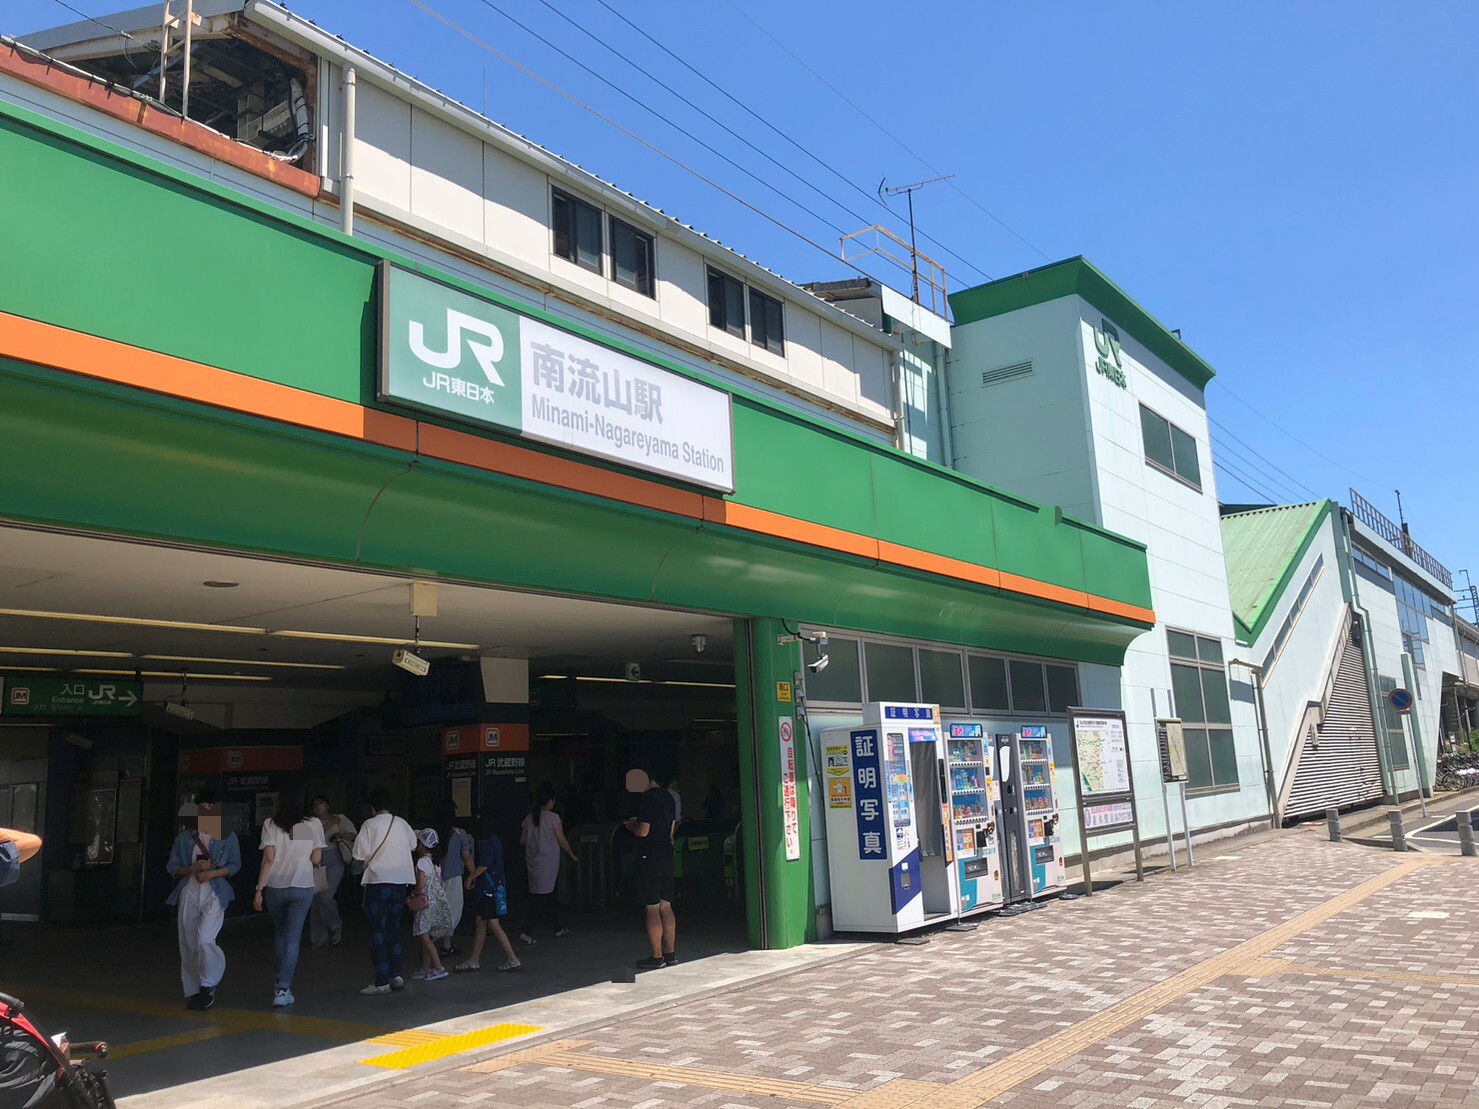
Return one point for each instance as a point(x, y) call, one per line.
point(1134, 811)
point(1083, 828)
point(1191, 859)
point(1170, 831)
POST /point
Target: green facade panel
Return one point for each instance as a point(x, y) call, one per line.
point(120, 247)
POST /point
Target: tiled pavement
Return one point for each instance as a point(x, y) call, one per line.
point(1286, 971)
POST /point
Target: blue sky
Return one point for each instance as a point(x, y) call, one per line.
point(1292, 185)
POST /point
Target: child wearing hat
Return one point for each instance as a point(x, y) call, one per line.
point(429, 902)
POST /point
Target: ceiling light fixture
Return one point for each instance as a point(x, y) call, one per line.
point(382, 640)
point(194, 677)
point(220, 584)
point(253, 662)
point(63, 651)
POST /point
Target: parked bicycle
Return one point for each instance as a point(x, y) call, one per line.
point(48, 1072)
point(1457, 771)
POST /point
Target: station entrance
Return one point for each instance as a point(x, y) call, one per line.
point(135, 674)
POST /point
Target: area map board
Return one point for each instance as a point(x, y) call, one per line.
point(1101, 756)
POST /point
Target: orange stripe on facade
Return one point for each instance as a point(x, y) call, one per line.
point(58, 348)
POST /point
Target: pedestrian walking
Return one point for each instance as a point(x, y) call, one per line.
point(292, 849)
point(428, 901)
point(653, 875)
point(542, 836)
point(204, 858)
point(325, 924)
point(456, 866)
point(385, 845)
point(488, 884)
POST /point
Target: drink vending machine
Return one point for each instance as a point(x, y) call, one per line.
point(973, 817)
point(891, 862)
point(1031, 845)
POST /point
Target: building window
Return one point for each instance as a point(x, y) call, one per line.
point(842, 680)
point(1394, 739)
point(631, 258)
point(767, 323)
point(1413, 609)
point(577, 231)
point(1169, 448)
point(726, 303)
point(1199, 686)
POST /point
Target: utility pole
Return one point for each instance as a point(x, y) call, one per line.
point(1406, 535)
point(908, 190)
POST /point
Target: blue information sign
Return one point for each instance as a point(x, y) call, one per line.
point(868, 777)
point(908, 712)
point(967, 731)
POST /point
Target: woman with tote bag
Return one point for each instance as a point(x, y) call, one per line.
point(325, 925)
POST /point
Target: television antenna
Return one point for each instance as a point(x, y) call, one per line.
point(885, 191)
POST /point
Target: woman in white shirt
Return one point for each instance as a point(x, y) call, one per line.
point(292, 846)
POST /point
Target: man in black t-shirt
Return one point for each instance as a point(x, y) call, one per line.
point(653, 875)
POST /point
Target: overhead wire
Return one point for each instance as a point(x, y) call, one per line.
point(898, 141)
point(659, 115)
point(737, 102)
point(94, 19)
point(1293, 481)
point(634, 136)
point(1340, 466)
point(716, 122)
point(1222, 465)
point(1287, 491)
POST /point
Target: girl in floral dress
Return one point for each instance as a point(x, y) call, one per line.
point(429, 900)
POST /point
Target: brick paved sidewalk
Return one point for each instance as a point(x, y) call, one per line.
point(1286, 971)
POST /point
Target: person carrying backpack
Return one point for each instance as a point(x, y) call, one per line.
point(487, 883)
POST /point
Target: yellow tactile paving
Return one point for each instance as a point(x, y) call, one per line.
point(428, 1051)
point(411, 1038)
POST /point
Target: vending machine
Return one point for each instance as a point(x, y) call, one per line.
point(890, 858)
point(1032, 848)
point(973, 817)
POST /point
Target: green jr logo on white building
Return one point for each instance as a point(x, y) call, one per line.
point(1111, 361)
point(449, 352)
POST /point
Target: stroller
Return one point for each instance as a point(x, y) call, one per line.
point(41, 1072)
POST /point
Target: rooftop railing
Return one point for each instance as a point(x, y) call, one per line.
point(1399, 537)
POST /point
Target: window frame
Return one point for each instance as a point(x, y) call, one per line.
point(574, 204)
point(617, 226)
point(713, 275)
point(1174, 470)
point(1202, 731)
point(774, 344)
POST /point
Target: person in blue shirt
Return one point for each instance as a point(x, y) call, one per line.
point(205, 857)
point(487, 883)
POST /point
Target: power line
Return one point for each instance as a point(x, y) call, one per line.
point(92, 19)
point(653, 111)
point(1264, 458)
point(1286, 490)
point(898, 141)
point(674, 92)
point(1246, 482)
point(737, 102)
point(633, 135)
point(1340, 466)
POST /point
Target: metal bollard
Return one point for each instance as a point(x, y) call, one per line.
point(1332, 824)
point(1399, 835)
point(1466, 833)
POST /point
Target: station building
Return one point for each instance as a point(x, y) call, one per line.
point(325, 365)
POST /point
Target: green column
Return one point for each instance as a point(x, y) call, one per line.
point(779, 899)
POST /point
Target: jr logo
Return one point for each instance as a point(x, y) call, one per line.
point(484, 339)
point(1111, 359)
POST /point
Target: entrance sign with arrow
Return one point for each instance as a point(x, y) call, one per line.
point(68, 697)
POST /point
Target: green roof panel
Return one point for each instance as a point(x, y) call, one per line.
point(1262, 549)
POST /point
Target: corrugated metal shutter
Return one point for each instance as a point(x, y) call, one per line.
point(1339, 765)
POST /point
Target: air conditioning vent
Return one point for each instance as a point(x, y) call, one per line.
point(1006, 373)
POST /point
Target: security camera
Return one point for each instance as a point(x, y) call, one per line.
point(699, 643)
point(411, 662)
point(819, 665)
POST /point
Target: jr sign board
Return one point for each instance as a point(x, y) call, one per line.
point(70, 697)
point(457, 355)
